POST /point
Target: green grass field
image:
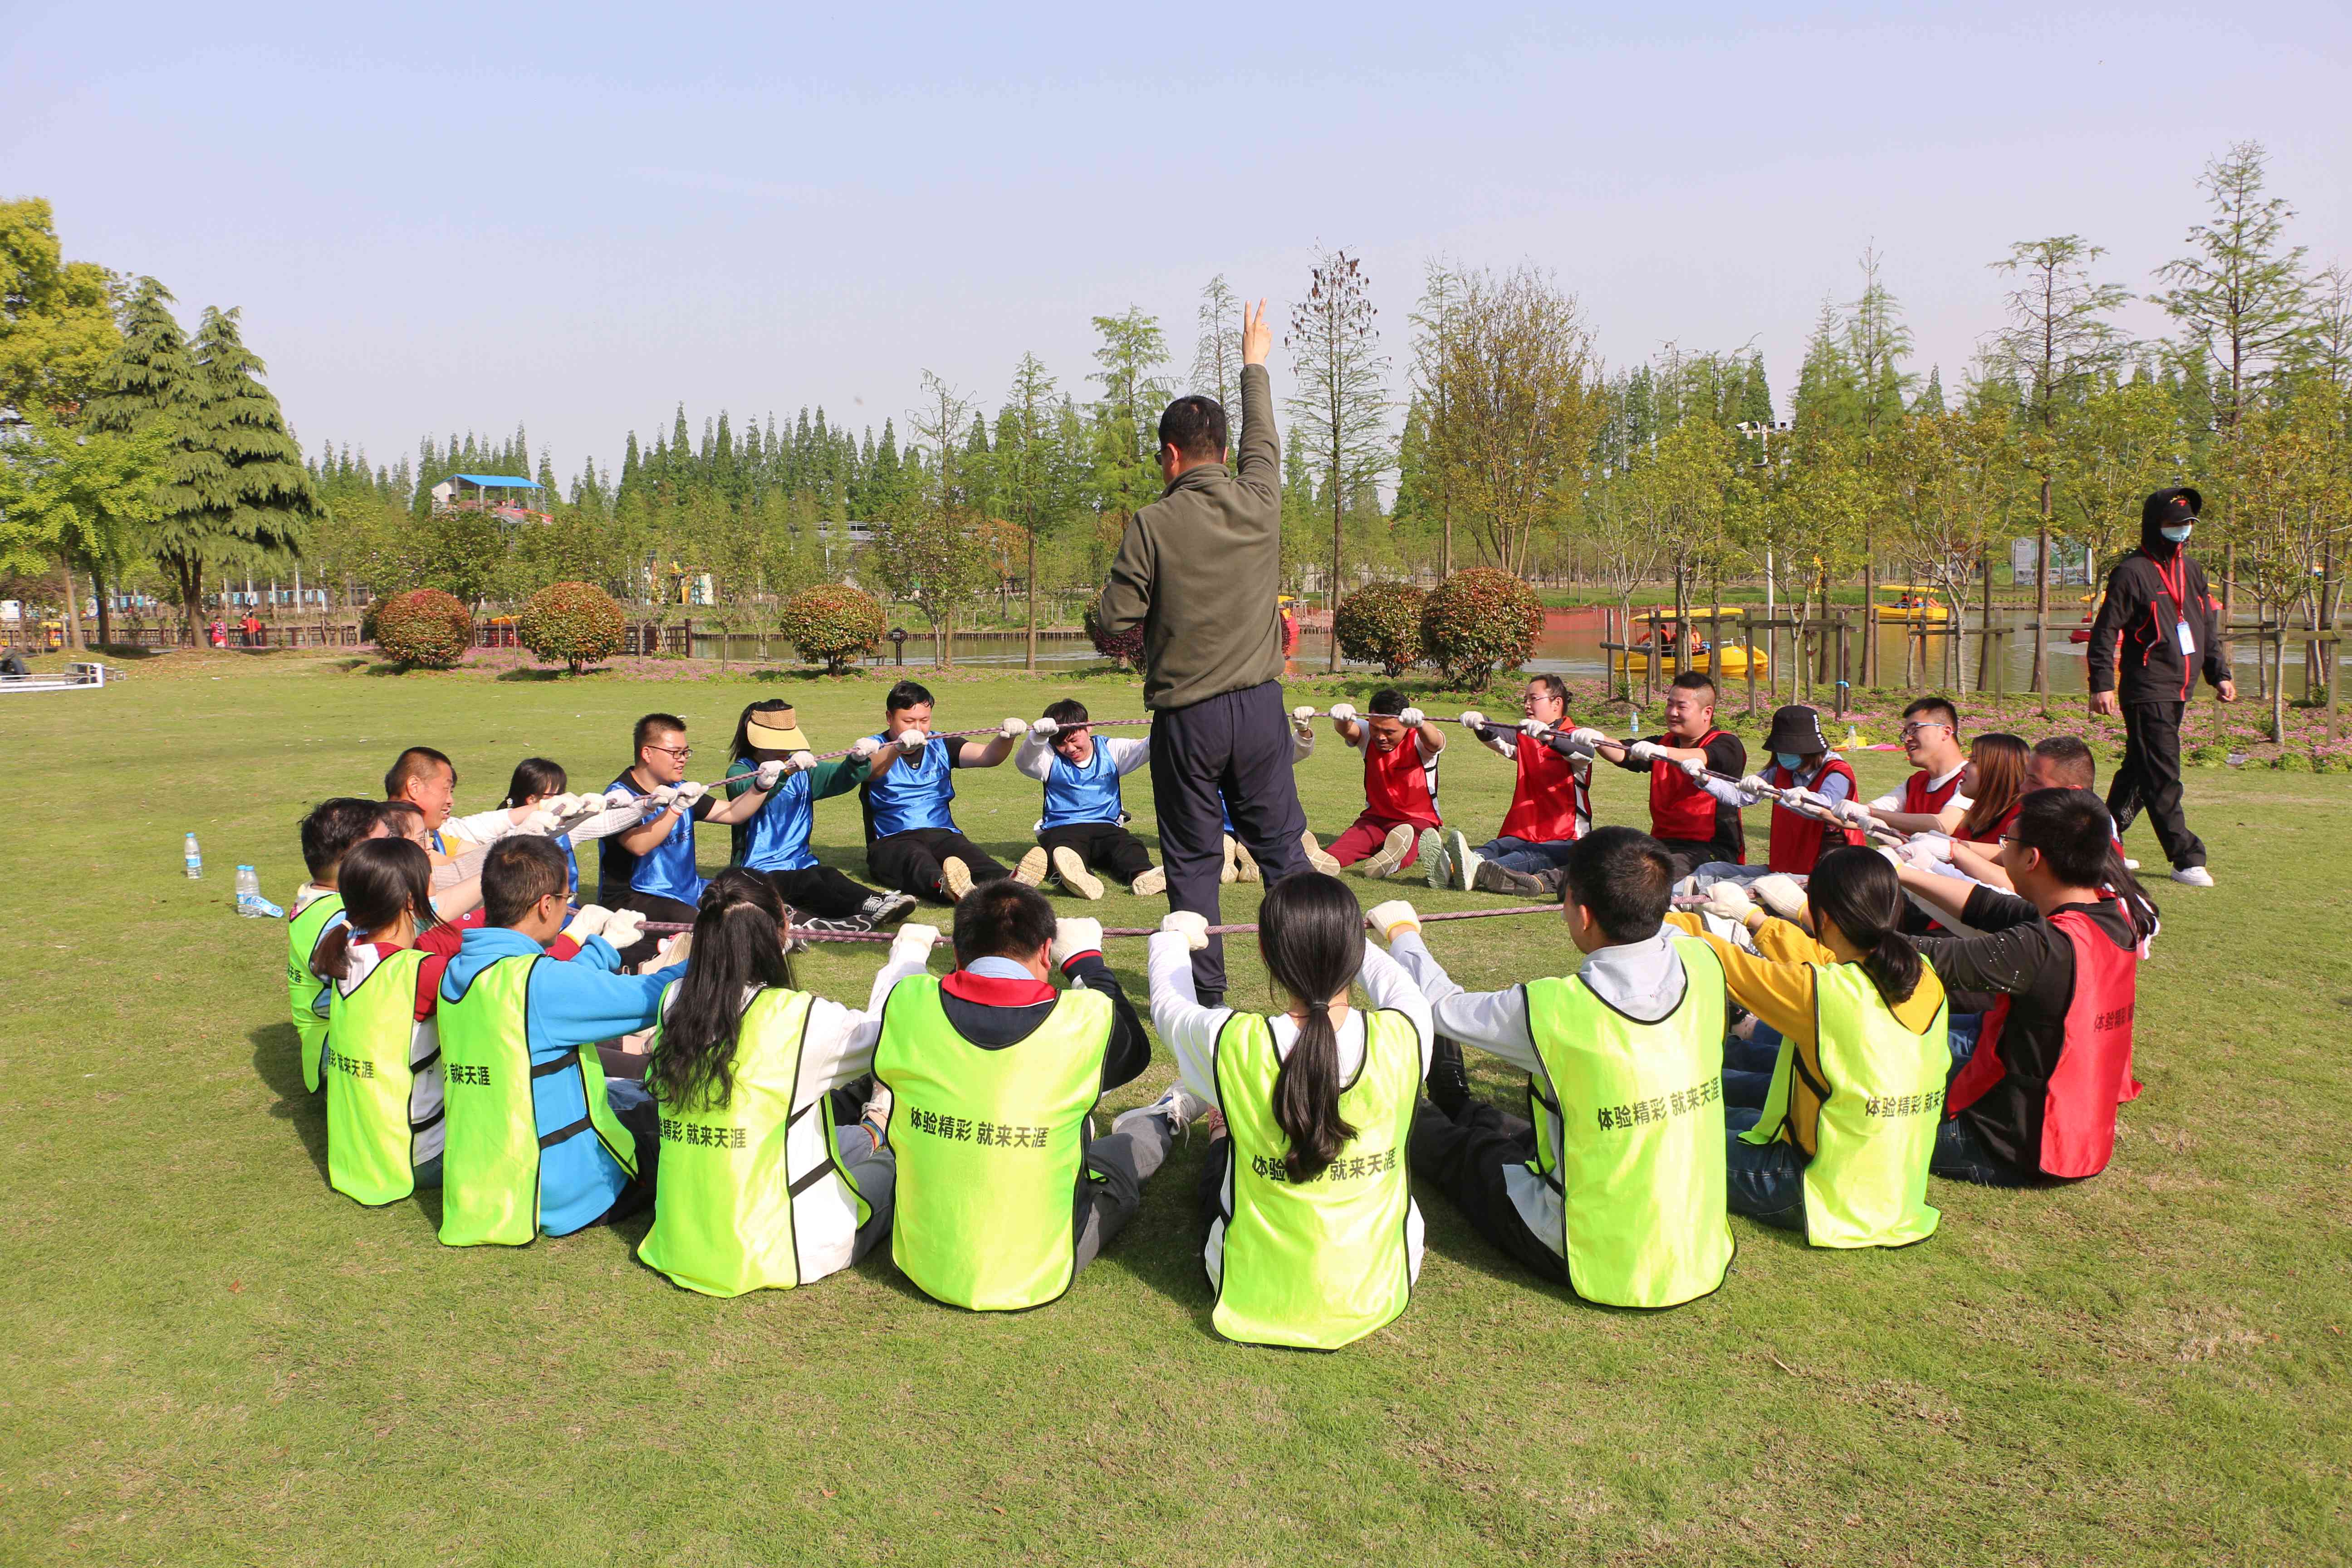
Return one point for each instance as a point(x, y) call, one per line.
point(207, 1356)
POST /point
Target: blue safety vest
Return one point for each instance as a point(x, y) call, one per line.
point(913, 795)
point(1086, 791)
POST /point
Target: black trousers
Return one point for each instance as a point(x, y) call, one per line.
point(654, 906)
point(820, 891)
point(909, 861)
point(1103, 845)
point(1464, 1159)
point(2150, 778)
point(1231, 751)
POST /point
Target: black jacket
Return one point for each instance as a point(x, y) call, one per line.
point(2135, 651)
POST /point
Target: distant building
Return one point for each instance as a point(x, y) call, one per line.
point(472, 492)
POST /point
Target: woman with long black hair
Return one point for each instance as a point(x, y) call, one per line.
point(1841, 1146)
point(1314, 1240)
point(759, 1189)
point(775, 840)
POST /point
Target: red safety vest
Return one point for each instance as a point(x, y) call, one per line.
point(1550, 804)
point(1921, 800)
point(1399, 786)
point(1679, 808)
point(2094, 1073)
point(1796, 838)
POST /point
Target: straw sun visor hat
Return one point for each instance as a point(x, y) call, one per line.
point(776, 729)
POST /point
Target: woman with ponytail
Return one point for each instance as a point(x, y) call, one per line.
point(759, 1189)
point(1841, 1146)
point(1314, 1240)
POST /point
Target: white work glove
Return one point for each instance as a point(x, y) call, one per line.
point(1536, 727)
point(542, 823)
point(1303, 713)
point(1189, 924)
point(1389, 919)
point(580, 809)
point(1853, 813)
point(913, 943)
point(1343, 710)
point(1754, 783)
point(653, 802)
point(1642, 751)
point(1045, 729)
point(911, 741)
point(800, 762)
point(616, 797)
point(687, 793)
point(1694, 770)
point(764, 777)
point(590, 922)
point(864, 748)
point(1587, 739)
point(1472, 719)
point(624, 928)
point(1804, 802)
point(1781, 894)
point(1728, 901)
point(1072, 937)
point(1410, 718)
point(1011, 730)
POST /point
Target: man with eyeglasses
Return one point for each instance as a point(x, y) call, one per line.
point(651, 867)
point(1931, 800)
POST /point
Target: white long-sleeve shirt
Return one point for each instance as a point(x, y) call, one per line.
point(1191, 1031)
point(1036, 756)
point(1643, 980)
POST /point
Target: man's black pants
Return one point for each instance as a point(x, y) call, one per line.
point(820, 891)
point(1103, 845)
point(909, 861)
point(2150, 777)
point(1228, 752)
point(1465, 1159)
point(654, 906)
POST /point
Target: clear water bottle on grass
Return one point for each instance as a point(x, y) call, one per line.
point(249, 902)
point(195, 860)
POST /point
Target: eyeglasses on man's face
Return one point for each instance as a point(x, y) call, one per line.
point(680, 752)
point(1910, 731)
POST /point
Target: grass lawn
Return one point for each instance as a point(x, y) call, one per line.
point(208, 1356)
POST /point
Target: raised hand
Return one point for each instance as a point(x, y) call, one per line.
point(1257, 338)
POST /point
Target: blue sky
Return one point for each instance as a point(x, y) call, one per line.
point(438, 216)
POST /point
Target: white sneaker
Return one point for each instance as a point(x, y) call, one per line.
point(1152, 884)
point(1031, 872)
point(955, 879)
point(1461, 861)
point(2130, 864)
point(2193, 876)
point(876, 1113)
point(1384, 861)
point(1436, 866)
point(1180, 1105)
point(1315, 855)
point(1074, 874)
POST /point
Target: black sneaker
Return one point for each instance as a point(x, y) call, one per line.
point(883, 907)
point(1494, 878)
point(1449, 1079)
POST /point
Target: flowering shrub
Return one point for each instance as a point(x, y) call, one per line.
point(424, 627)
point(1381, 624)
point(835, 623)
point(1478, 620)
point(577, 622)
point(1124, 649)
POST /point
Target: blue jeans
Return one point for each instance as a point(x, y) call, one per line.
point(1525, 855)
point(1763, 1181)
point(876, 1171)
point(1747, 1066)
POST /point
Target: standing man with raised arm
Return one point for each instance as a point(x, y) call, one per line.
point(2157, 628)
point(1198, 571)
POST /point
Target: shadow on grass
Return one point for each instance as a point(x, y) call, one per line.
point(126, 653)
point(277, 1062)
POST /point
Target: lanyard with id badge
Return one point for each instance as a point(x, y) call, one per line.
point(2175, 584)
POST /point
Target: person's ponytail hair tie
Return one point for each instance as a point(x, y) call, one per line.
point(1311, 935)
point(380, 880)
point(1857, 891)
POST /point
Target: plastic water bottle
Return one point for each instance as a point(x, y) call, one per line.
point(195, 859)
point(1635, 732)
point(1853, 739)
point(249, 902)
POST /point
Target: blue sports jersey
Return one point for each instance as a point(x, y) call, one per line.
point(777, 838)
point(1082, 791)
point(913, 795)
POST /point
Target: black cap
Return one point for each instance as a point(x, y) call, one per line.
point(1796, 730)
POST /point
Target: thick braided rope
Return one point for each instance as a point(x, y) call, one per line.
point(669, 928)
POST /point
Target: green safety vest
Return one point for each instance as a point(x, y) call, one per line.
point(991, 1146)
point(490, 1161)
point(1640, 1169)
point(1867, 1185)
point(371, 1150)
point(1316, 1265)
point(728, 1207)
point(302, 934)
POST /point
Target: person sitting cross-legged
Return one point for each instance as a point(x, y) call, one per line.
point(992, 1073)
point(1552, 803)
point(1401, 749)
point(1313, 1237)
point(1616, 1190)
point(759, 1189)
point(1084, 829)
point(912, 843)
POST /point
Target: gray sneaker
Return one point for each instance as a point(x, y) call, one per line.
point(1464, 861)
point(1180, 1105)
point(1492, 879)
point(1436, 864)
point(883, 907)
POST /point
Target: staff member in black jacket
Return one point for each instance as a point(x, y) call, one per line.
point(2156, 625)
